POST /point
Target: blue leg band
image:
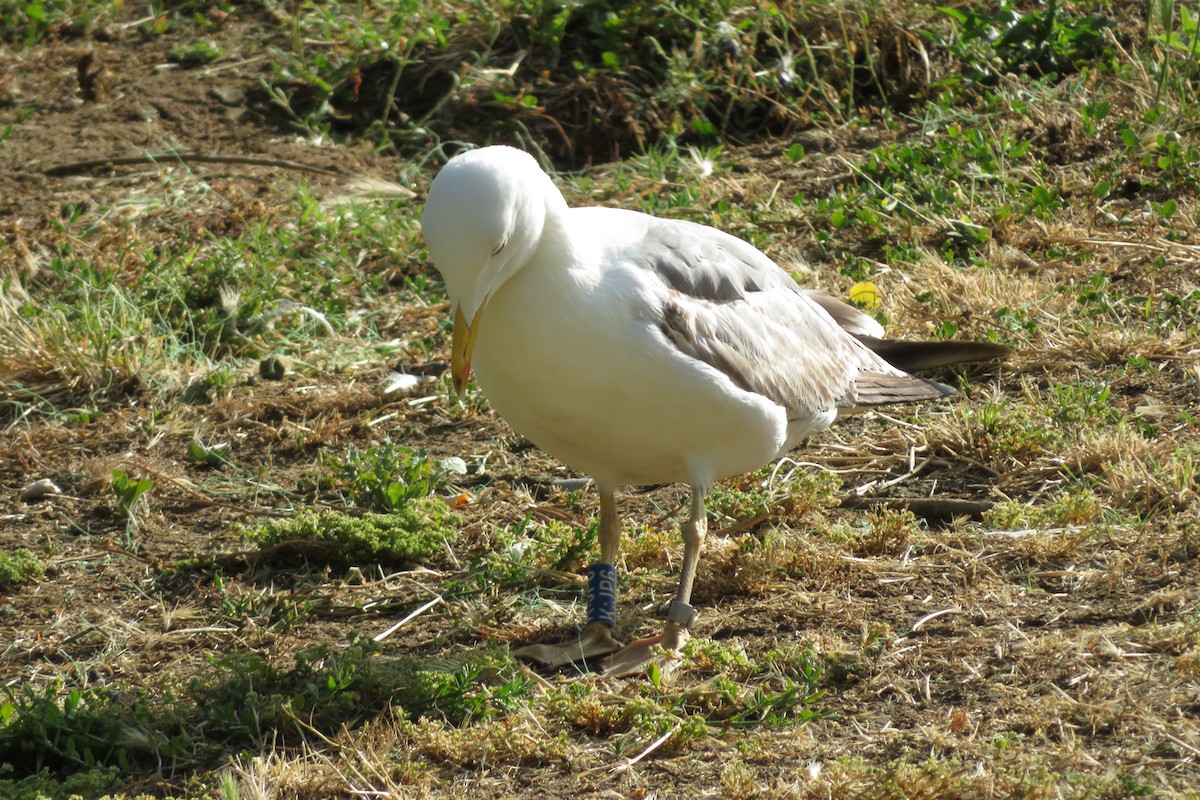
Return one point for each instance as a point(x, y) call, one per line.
point(602, 594)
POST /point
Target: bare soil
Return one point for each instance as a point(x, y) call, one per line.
point(1013, 654)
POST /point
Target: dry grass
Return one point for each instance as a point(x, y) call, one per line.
point(855, 641)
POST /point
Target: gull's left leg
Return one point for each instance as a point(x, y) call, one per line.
point(596, 638)
point(681, 615)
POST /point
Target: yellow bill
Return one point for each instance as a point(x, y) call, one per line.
point(461, 347)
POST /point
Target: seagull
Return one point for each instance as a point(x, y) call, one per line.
point(643, 351)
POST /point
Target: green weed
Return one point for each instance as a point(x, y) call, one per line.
point(30, 22)
point(790, 497)
point(243, 701)
point(71, 728)
point(410, 534)
point(1045, 42)
point(216, 455)
point(789, 702)
point(1078, 507)
point(694, 71)
point(1178, 38)
point(1074, 404)
point(94, 343)
point(461, 690)
point(384, 478)
point(1007, 433)
point(266, 609)
point(246, 699)
point(128, 491)
point(19, 567)
point(22, 117)
point(888, 532)
point(182, 319)
point(528, 554)
point(783, 688)
point(44, 785)
point(195, 54)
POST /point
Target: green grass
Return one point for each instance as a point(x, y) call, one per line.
point(406, 535)
point(150, 323)
point(386, 478)
point(207, 359)
point(694, 71)
point(242, 701)
point(29, 22)
point(196, 54)
point(18, 567)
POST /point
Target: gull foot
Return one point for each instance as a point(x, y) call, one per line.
point(635, 658)
point(595, 640)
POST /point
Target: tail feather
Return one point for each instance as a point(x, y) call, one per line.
point(873, 389)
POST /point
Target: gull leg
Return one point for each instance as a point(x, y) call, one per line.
point(637, 656)
point(596, 638)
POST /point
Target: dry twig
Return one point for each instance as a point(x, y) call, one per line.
point(188, 157)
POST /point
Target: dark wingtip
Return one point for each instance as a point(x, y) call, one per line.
point(919, 356)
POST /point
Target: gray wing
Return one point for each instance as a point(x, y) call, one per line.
point(736, 310)
point(783, 346)
point(708, 264)
point(705, 263)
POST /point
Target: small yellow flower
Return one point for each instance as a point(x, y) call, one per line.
point(866, 295)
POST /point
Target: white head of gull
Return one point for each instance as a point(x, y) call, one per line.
point(641, 350)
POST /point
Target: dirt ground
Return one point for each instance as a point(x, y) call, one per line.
point(1002, 651)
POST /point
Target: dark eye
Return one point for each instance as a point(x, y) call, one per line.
point(500, 247)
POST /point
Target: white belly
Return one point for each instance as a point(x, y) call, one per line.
point(603, 391)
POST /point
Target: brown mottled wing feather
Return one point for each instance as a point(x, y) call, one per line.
point(781, 345)
point(738, 311)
